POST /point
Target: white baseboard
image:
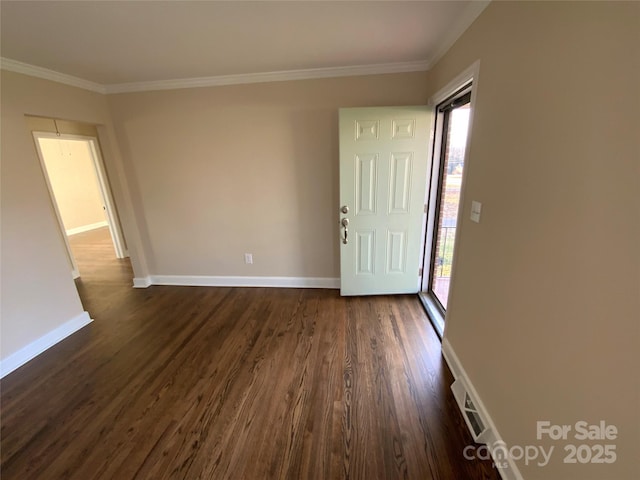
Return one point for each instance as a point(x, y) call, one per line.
point(141, 282)
point(87, 228)
point(509, 471)
point(35, 348)
point(214, 281)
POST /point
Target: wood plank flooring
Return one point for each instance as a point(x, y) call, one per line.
point(234, 383)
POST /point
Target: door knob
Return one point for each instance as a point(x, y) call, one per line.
point(345, 223)
point(344, 209)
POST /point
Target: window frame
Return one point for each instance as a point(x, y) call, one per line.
point(443, 110)
point(463, 84)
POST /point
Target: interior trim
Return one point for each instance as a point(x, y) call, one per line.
point(456, 30)
point(87, 228)
point(40, 72)
point(233, 281)
point(215, 81)
point(35, 348)
point(141, 282)
point(508, 469)
point(436, 317)
point(464, 21)
point(281, 76)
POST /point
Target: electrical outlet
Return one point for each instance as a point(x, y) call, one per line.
point(248, 258)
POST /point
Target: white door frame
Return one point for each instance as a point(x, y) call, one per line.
point(468, 75)
point(104, 188)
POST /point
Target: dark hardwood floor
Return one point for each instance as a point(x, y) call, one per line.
point(234, 383)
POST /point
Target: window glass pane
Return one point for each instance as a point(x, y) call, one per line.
point(456, 139)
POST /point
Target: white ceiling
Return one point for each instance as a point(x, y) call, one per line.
point(133, 42)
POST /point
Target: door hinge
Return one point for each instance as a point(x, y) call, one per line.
point(420, 271)
point(426, 208)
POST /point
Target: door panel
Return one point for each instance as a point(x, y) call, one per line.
point(365, 252)
point(400, 184)
point(383, 168)
point(365, 185)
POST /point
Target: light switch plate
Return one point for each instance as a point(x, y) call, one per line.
point(476, 209)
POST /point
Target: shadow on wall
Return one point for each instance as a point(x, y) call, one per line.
point(136, 198)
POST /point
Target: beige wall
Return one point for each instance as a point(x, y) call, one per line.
point(544, 311)
point(38, 293)
point(73, 180)
point(248, 168)
point(544, 308)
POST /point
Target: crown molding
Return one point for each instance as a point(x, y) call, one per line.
point(281, 76)
point(473, 11)
point(40, 72)
point(215, 81)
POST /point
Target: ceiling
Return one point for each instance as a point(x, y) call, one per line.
point(112, 43)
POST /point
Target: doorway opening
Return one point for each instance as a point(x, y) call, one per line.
point(80, 193)
point(448, 163)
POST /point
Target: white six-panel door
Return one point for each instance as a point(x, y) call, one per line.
point(383, 176)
